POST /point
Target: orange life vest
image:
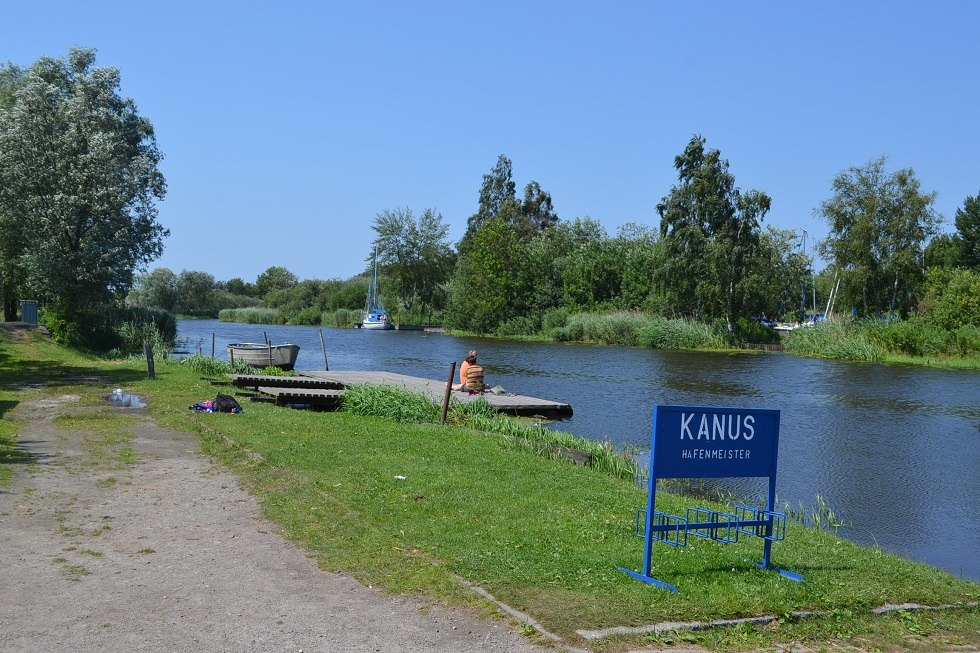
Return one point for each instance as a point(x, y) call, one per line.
point(474, 378)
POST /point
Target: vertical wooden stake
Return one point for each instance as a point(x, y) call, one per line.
point(148, 352)
point(322, 347)
point(212, 344)
point(449, 389)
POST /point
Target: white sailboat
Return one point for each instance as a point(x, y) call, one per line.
point(375, 317)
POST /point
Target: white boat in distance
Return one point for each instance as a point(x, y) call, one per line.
point(375, 317)
point(257, 354)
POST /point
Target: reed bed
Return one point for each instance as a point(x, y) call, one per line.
point(636, 329)
point(250, 315)
point(834, 341)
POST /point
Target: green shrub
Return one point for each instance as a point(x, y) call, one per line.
point(343, 318)
point(555, 318)
point(101, 328)
point(309, 316)
point(519, 326)
point(952, 298)
point(747, 330)
point(967, 341)
point(914, 336)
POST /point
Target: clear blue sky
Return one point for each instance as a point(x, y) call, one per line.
point(288, 126)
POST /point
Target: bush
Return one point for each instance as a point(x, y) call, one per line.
point(914, 336)
point(104, 328)
point(343, 318)
point(555, 318)
point(750, 331)
point(519, 326)
point(309, 316)
point(966, 341)
point(952, 298)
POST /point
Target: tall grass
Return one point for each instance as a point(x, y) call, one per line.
point(135, 335)
point(872, 340)
point(401, 405)
point(834, 341)
point(250, 315)
point(214, 367)
point(343, 318)
point(389, 402)
point(917, 336)
point(635, 329)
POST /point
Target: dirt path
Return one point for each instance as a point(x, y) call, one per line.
point(169, 554)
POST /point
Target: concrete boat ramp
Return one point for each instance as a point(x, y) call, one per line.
point(323, 390)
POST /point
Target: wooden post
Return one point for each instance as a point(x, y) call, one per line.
point(322, 347)
point(449, 389)
point(148, 352)
point(212, 344)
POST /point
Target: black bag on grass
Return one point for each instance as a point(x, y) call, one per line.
point(226, 404)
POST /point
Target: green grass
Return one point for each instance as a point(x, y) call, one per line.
point(415, 508)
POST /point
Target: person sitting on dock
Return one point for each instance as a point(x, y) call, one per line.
point(470, 374)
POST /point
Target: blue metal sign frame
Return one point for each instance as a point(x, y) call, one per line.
point(711, 442)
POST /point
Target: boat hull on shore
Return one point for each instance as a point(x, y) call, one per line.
point(259, 355)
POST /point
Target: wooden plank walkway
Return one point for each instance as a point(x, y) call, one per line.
point(324, 390)
point(511, 404)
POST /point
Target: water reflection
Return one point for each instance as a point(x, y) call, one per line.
point(894, 450)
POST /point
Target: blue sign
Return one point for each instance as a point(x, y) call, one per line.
point(708, 442)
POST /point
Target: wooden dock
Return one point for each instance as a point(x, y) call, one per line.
point(324, 390)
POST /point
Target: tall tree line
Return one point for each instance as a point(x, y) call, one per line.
point(79, 183)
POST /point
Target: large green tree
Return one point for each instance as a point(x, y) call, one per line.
point(155, 289)
point(79, 183)
point(197, 293)
point(498, 198)
point(780, 284)
point(710, 234)
point(968, 230)
point(879, 222)
point(274, 278)
point(489, 286)
point(415, 255)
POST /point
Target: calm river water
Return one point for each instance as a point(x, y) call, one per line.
point(893, 450)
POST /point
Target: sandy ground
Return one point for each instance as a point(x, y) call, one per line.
point(171, 555)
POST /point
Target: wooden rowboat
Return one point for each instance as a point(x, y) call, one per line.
point(262, 355)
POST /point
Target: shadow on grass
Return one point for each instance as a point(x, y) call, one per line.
point(22, 374)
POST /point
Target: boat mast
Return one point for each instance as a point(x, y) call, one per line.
point(372, 298)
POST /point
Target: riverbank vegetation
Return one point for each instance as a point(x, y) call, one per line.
point(710, 277)
point(428, 510)
point(707, 274)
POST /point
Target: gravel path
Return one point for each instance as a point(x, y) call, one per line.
point(169, 554)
